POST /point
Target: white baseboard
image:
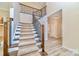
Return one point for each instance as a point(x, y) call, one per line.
point(72, 50)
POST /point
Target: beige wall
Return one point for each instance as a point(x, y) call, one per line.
point(4, 8)
point(4, 13)
point(52, 7)
point(70, 22)
point(71, 25)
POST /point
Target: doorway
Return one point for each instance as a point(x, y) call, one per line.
point(55, 26)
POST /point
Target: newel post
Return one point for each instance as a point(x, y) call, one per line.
point(43, 53)
point(5, 42)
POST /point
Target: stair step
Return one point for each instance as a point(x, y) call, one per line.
point(17, 36)
point(26, 33)
point(31, 35)
point(18, 32)
point(28, 50)
point(22, 43)
point(24, 23)
point(24, 38)
point(16, 39)
point(36, 38)
point(38, 43)
point(14, 53)
point(18, 29)
point(14, 45)
point(28, 37)
point(15, 42)
point(28, 30)
point(13, 49)
point(19, 26)
point(27, 46)
point(27, 25)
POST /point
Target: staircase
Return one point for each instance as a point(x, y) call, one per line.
point(27, 38)
point(26, 41)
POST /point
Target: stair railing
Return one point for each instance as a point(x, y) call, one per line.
point(37, 26)
point(40, 30)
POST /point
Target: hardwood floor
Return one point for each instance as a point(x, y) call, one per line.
point(54, 47)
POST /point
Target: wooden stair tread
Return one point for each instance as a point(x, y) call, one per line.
point(32, 32)
point(27, 29)
point(27, 50)
point(26, 43)
point(26, 37)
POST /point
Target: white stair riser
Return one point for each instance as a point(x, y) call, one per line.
point(13, 49)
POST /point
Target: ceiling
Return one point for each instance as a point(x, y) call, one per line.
point(37, 5)
point(6, 5)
